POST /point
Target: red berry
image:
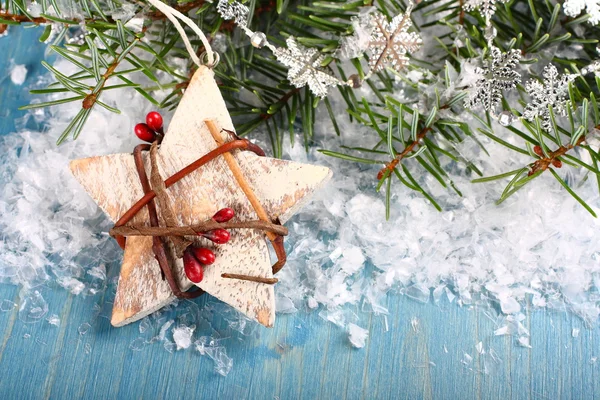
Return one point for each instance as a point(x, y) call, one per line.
point(154, 121)
point(144, 132)
point(204, 255)
point(557, 163)
point(192, 267)
point(224, 215)
point(218, 236)
point(538, 150)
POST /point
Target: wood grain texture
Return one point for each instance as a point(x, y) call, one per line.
point(303, 357)
point(281, 186)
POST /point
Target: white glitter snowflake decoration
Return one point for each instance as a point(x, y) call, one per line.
point(233, 10)
point(574, 7)
point(390, 42)
point(487, 8)
point(552, 92)
point(305, 67)
point(498, 74)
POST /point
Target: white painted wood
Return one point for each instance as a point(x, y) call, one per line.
point(282, 186)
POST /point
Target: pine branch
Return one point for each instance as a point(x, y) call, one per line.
point(91, 98)
point(155, 15)
point(279, 102)
point(553, 158)
point(391, 166)
point(19, 18)
point(410, 147)
point(260, 98)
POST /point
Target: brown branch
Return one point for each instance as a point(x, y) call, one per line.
point(22, 18)
point(265, 8)
point(389, 167)
point(90, 99)
point(196, 229)
point(407, 150)
point(155, 15)
point(553, 158)
point(268, 281)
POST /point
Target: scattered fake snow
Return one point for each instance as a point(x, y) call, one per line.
point(479, 348)
point(524, 342)
point(357, 335)
point(209, 347)
point(84, 328)
point(54, 320)
point(33, 308)
point(18, 73)
point(342, 252)
point(182, 335)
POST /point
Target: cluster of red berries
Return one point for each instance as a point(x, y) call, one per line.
point(150, 130)
point(555, 161)
point(195, 258)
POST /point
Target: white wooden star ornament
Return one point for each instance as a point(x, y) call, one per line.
point(281, 187)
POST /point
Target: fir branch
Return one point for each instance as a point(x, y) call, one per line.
point(391, 166)
point(553, 158)
point(155, 15)
point(259, 97)
point(91, 98)
point(21, 18)
point(279, 103)
point(408, 149)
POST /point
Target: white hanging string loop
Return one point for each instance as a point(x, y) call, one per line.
point(172, 14)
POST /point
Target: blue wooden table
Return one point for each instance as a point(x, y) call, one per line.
point(420, 355)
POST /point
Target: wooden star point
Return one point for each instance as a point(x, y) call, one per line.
point(282, 187)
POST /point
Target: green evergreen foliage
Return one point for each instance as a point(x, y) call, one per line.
point(258, 94)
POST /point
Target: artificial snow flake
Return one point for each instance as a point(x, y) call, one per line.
point(233, 10)
point(356, 44)
point(574, 7)
point(487, 8)
point(391, 41)
point(498, 74)
point(305, 67)
point(552, 92)
point(18, 73)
